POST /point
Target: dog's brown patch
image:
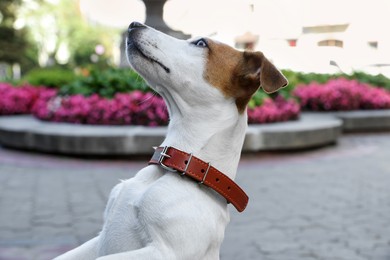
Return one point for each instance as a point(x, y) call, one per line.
point(239, 74)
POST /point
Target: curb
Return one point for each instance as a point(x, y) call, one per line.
point(307, 132)
point(26, 132)
point(361, 120)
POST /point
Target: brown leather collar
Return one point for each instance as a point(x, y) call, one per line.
point(174, 160)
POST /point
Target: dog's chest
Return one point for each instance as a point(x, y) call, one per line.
point(139, 212)
point(124, 228)
point(133, 209)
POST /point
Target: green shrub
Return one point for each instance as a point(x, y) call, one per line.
point(375, 80)
point(50, 77)
point(296, 78)
point(105, 83)
point(306, 78)
point(258, 99)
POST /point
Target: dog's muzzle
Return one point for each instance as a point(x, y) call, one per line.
point(135, 45)
point(135, 25)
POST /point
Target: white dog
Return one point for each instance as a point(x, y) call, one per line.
point(163, 215)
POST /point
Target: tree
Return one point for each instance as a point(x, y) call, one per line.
point(63, 36)
point(12, 41)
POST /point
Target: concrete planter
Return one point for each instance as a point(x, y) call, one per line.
point(26, 132)
point(307, 132)
point(360, 120)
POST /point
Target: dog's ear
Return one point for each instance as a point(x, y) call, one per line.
point(260, 71)
point(252, 72)
point(271, 79)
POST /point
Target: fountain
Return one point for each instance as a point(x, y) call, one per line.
point(154, 18)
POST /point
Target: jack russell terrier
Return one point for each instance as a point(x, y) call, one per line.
point(177, 207)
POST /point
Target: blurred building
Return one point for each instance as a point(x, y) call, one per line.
point(345, 45)
point(303, 35)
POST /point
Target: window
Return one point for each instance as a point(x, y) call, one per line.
point(373, 45)
point(336, 43)
point(292, 42)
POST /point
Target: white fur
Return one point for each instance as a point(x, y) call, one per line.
point(159, 214)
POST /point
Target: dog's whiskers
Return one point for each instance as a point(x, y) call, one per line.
point(138, 78)
point(147, 99)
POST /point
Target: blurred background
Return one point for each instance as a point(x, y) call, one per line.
point(63, 61)
point(301, 35)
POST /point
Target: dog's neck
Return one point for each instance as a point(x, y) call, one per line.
point(213, 137)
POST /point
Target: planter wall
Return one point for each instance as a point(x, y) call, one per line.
point(26, 132)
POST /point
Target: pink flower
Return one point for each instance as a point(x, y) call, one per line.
point(274, 111)
point(342, 94)
point(17, 100)
point(135, 108)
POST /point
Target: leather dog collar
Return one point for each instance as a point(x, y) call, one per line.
point(174, 160)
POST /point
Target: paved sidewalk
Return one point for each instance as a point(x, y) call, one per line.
point(326, 204)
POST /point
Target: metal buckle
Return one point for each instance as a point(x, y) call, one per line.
point(163, 154)
point(205, 175)
point(188, 163)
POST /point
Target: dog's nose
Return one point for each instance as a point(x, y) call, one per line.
point(134, 25)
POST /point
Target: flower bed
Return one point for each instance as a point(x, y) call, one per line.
point(135, 108)
point(17, 100)
point(276, 110)
point(341, 95)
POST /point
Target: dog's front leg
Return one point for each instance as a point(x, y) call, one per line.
point(145, 253)
point(86, 251)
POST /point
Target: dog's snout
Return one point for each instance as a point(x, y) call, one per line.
point(134, 25)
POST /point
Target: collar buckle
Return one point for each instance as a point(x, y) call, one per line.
point(164, 155)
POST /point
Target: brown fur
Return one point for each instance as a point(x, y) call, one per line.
point(239, 74)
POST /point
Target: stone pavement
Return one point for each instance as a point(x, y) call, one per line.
point(327, 204)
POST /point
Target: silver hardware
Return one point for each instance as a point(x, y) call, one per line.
point(205, 175)
point(163, 155)
point(188, 163)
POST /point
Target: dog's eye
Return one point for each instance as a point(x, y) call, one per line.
point(200, 43)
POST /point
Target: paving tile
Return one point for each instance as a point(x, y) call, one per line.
point(324, 204)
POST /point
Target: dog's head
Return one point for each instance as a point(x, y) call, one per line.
point(199, 72)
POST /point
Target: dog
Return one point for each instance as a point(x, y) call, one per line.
point(161, 214)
